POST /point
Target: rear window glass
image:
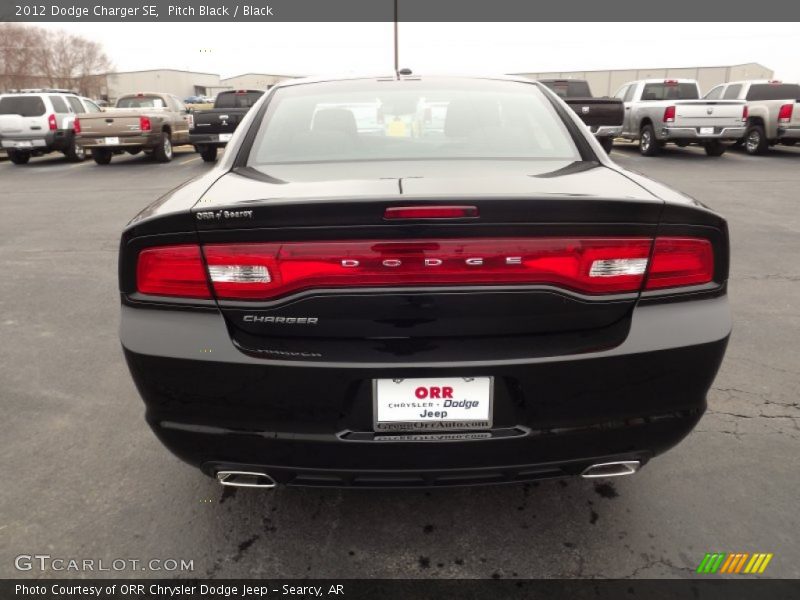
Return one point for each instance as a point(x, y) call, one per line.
point(76, 105)
point(570, 89)
point(58, 104)
point(418, 120)
point(141, 102)
point(670, 91)
point(774, 91)
point(237, 100)
point(25, 106)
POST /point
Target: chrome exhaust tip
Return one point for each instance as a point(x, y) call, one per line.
point(249, 479)
point(611, 469)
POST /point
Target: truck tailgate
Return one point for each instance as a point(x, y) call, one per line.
point(690, 113)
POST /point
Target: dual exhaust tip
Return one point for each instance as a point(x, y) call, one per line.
point(255, 479)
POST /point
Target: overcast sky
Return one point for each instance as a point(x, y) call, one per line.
point(320, 48)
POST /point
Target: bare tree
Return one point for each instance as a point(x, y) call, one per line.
point(35, 57)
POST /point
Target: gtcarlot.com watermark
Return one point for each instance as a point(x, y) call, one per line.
point(46, 562)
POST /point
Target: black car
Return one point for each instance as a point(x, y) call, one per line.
point(412, 281)
point(213, 128)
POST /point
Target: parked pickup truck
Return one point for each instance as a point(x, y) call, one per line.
point(149, 122)
point(658, 111)
point(773, 111)
point(214, 127)
point(603, 116)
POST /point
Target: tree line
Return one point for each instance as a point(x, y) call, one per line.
point(33, 57)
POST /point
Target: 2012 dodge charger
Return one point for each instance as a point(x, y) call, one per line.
point(412, 281)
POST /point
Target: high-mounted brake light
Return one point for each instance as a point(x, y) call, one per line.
point(76, 125)
point(670, 82)
point(172, 271)
point(51, 122)
point(669, 114)
point(430, 212)
point(785, 113)
point(680, 262)
point(144, 123)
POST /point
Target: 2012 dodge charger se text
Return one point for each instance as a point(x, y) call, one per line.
point(411, 281)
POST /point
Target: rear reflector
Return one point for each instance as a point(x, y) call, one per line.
point(680, 262)
point(172, 271)
point(430, 212)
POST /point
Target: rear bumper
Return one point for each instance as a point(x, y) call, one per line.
point(208, 139)
point(789, 133)
point(125, 141)
point(603, 131)
point(44, 142)
point(311, 423)
point(693, 133)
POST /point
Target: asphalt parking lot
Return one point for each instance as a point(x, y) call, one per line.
point(85, 477)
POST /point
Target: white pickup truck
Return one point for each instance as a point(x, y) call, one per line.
point(658, 111)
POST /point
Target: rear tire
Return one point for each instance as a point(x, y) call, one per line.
point(209, 153)
point(607, 143)
point(163, 150)
point(75, 152)
point(102, 156)
point(715, 148)
point(648, 144)
point(19, 158)
point(755, 140)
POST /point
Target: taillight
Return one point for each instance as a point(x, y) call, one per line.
point(172, 271)
point(785, 113)
point(144, 123)
point(745, 113)
point(669, 114)
point(51, 122)
point(430, 212)
point(680, 262)
point(76, 125)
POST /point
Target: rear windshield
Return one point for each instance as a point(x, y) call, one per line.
point(670, 91)
point(774, 91)
point(570, 89)
point(141, 102)
point(410, 120)
point(25, 106)
point(237, 99)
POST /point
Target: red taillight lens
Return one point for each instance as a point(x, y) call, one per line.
point(144, 123)
point(263, 271)
point(51, 122)
point(745, 113)
point(680, 262)
point(76, 125)
point(669, 114)
point(430, 212)
point(785, 113)
point(172, 271)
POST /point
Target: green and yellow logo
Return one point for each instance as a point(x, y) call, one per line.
point(734, 562)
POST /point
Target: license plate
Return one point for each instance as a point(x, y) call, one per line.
point(706, 131)
point(225, 137)
point(432, 404)
point(111, 140)
point(23, 144)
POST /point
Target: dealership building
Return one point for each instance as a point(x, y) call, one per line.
point(606, 83)
point(183, 83)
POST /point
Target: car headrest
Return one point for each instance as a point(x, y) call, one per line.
point(335, 119)
point(466, 116)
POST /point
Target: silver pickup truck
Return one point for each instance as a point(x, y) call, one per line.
point(658, 111)
point(773, 111)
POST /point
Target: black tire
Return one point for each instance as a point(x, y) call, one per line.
point(715, 148)
point(755, 140)
point(133, 151)
point(19, 158)
point(607, 143)
point(75, 152)
point(163, 150)
point(648, 144)
point(102, 156)
point(209, 153)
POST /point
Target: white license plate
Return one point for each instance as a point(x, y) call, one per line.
point(433, 404)
point(706, 131)
point(111, 141)
point(23, 144)
point(225, 137)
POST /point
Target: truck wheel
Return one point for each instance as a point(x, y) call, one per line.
point(715, 148)
point(755, 141)
point(209, 153)
point(648, 144)
point(75, 152)
point(102, 156)
point(163, 151)
point(19, 158)
point(607, 143)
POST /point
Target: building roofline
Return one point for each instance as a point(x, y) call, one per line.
point(648, 69)
point(155, 70)
point(260, 74)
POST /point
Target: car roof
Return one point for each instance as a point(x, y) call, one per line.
point(391, 76)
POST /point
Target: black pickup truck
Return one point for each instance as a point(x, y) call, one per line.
point(214, 127)
point(603, 116)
